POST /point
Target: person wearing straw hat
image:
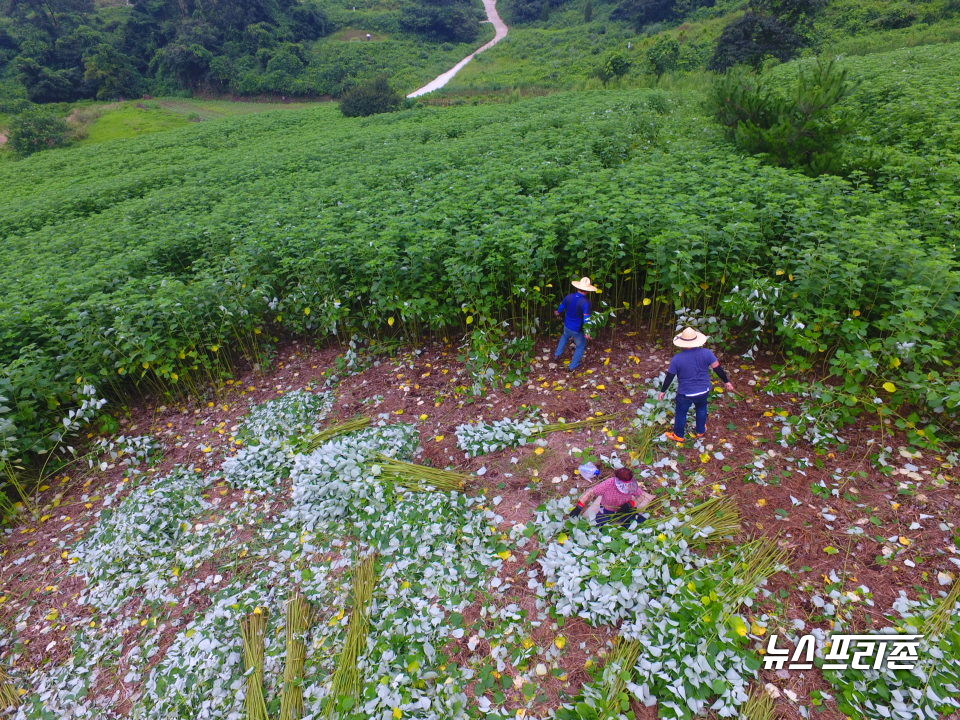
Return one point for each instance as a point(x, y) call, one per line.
point(691, 366)
point(621, 499)
point(575, 310)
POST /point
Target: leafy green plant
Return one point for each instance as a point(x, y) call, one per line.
point(663, 55)
point(375, 96)
point(804, 131)
point(35, 130)
point(614, 65)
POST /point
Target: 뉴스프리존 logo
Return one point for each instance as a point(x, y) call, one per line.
point(860, 652)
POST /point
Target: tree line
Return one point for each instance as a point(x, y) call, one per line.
point(66, 50)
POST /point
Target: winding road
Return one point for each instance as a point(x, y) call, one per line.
point(500, 33)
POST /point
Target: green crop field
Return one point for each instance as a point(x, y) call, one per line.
point(131, 263)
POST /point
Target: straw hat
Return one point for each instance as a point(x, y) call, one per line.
point(689, 338)
point(584, 284)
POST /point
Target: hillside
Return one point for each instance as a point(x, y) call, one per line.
point(281, 352)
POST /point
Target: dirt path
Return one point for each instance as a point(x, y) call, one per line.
point(3, 139)
point(500, 29)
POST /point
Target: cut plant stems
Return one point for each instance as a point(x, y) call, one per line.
point(252, 628)
point(300, 616)
point(347, 683)
point(420, 477)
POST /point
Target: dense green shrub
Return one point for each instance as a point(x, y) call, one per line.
point(802, 131)
point(442, 20)
point(769, 29)
point(36, 130)
point(663, 55)
point(753, 38)
point(370, 98)
point(614, 65)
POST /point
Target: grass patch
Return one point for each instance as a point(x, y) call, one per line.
point(128, 121)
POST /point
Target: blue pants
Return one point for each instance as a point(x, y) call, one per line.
point(581, 345)
point(683, 407)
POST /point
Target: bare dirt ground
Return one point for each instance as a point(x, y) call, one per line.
point(891, 531)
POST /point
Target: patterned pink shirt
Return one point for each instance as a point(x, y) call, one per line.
point(611, 498)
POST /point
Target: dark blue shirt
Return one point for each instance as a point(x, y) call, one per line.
point(576, 307)
point(692, 368)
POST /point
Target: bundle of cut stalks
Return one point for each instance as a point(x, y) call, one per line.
point(253, 628)
point(419, 477)
point(720, 514)
point(596, 421)
point(347, 684)
point(619, 670)
point(9, 698)
point(759, 559)
point(938, 622)
point(641, 442)
point(758, 707)
point(300, 617)
point(312, 442)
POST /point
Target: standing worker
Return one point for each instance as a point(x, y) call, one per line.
point(575, 310)
point(691, 366)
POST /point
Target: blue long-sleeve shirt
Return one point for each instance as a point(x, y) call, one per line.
point(576, 309)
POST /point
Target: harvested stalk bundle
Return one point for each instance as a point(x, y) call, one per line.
point(312, 442)
point(420, 477)
point(346, 686)
point(759, 559)
point(299, 619)
point(759, 706)
point(589, 422)
point(720, 516)
point(252, 628)
point(619, 670)
point(9, 698)
point(641, 442)
point(936, 624)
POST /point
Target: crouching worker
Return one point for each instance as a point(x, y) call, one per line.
point(621, 499)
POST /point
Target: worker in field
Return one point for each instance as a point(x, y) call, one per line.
point(575, 311)
point(621, 498)
point(691, 366)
